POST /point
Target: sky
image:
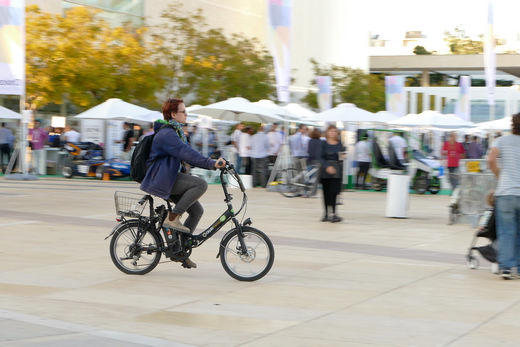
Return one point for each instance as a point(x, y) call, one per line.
point(434, 17)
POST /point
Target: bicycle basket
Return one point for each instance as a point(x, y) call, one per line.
point(128, 204)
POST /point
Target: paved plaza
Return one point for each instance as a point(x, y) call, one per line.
point(367, 281)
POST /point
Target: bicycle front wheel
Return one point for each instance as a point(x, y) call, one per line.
point(287, 183)
point(134, 249)
point(252, 263)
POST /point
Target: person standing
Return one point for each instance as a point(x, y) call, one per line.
point(5, 148)
point(245, 150)
point(259, 148)
point(363, 158)
point(70, 135)
point(504, 161)
point(474, 150)
point(275, 142)
point(127, 141)
point(331, 173)
point(399, 145)
point(235, 142)
point(38, 139)
point(453, 151)
point(314, 148)
point(298, 143)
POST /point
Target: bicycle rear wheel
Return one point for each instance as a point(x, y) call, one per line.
point(133, 249)
point(251, 265)
point(287, 183)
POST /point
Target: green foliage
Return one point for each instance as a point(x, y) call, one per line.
point(366, 91)
point(420, 50)
point(80, 58)
point(209, 66)
point(460, 43)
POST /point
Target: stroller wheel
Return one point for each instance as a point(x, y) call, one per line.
point(472, 262)
point(494, 268)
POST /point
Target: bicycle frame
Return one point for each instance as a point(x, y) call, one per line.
point(159, 214)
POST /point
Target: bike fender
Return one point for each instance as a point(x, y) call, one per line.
point(229, 232)
point(116, 227)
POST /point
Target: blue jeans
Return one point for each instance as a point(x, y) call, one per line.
point(508, 230)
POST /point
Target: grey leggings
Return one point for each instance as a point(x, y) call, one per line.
point(185, 194)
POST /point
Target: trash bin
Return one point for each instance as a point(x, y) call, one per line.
point(397, 194)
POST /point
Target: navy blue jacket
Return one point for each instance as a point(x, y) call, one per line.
point(166, 155)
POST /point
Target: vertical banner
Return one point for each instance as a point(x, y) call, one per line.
point(280, 18)
point(12, 47)
point(395, 96)
point(462, 108)
point(489, 56)
point(324, 84)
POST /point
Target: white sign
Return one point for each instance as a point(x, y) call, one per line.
point(12, 47)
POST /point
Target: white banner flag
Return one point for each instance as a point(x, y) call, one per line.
point(489, 56)
point(12, 47)
point(280, 18)
point(462, 108)
point(324, 84)
point(395, 96)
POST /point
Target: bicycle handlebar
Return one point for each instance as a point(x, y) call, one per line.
point(230, 168)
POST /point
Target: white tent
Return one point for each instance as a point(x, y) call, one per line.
point(284, 112)
point(300, 111)
point(117, 109)
point(6, 113)
point(345, 113)
point(239, 109)
point(386, 116)
point(499, 124)
point(432, 119)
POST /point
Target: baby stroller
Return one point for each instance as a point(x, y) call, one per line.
point(486, 230)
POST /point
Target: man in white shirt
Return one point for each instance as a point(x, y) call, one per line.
point(244, 150)
point(275, 142)
point(259, 148)
point(299, 142)
point(71, 135)
point(363, 158)
point(235, 142)
point(399, 145)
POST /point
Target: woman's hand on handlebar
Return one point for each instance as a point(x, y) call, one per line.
point(220, 163)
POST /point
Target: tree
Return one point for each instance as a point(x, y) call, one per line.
point(80, 58)
point(366, 91)
point(209, 66)
point(420, 50)
point(460, 43)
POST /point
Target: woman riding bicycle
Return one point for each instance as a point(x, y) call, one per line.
point(164, 177)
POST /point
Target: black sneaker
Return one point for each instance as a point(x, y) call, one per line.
point(325, 219)
point(506, 274)
point(336, 219)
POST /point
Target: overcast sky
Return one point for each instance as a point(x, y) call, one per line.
point(433, 17)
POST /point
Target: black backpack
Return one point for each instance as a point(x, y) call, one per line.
point(138, 165)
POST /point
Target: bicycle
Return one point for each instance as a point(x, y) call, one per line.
point(246, 253)
point(293, 182)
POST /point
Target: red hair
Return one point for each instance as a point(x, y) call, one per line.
point(169, 106)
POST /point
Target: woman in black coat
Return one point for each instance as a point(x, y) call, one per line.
point(331, 172)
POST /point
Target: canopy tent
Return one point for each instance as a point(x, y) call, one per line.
point(300, 111)
point(284, 112)
point(385, 116)
point(6, 113)
point(345, 113)
point(432, 119)
point(499, 124)
point(239, 109)
point(117, 109)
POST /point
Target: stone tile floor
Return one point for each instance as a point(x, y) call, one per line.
point(367, 281)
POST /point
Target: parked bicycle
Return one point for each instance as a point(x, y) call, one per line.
point(292, 182)
point(246, 253)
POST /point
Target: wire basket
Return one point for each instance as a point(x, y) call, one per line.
point(129, 204)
